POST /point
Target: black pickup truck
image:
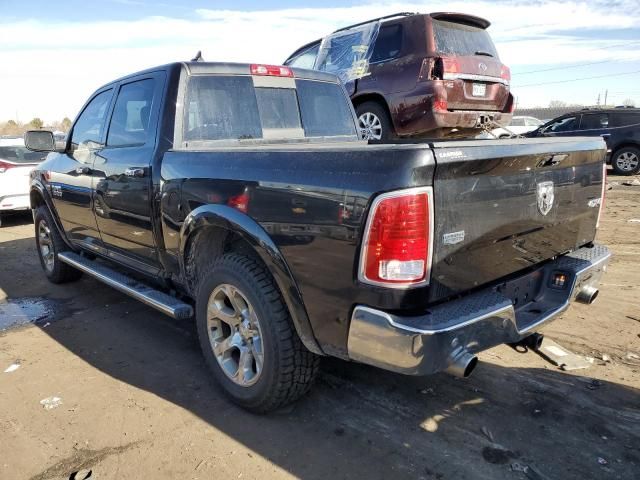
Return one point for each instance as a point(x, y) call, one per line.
point(241, 195)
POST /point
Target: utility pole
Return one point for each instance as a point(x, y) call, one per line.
point(606, 93)
point(598, 102)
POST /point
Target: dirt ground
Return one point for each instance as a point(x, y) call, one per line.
point(137, 401)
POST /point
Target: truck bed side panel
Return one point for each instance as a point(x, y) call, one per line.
point(312, 201)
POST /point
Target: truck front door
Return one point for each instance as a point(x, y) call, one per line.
point(123, 198)
point(72, 179)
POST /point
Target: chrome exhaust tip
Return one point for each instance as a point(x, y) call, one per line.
point(462, 364)
point(587, 295)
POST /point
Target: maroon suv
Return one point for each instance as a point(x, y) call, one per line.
point(423, 75)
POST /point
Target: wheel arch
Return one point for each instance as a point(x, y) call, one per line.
point(374, 97)
point(38, 196)
point(222, 225)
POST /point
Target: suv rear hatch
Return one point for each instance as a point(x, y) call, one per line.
point(468, 58)
point(503, 206)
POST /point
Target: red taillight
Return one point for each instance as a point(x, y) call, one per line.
point(4, 166)
point(239, 202)
point(440, 105)
point(505, 73)
point(396, 251)
point(271, 70)
point(602, 193)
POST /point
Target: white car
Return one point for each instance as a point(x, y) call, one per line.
point(16, 163)
point(518, 126)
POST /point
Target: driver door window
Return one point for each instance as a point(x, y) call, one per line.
point(566, 124)
point(88, 130)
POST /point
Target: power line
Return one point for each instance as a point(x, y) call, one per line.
point(582, 64)
point(577, 79)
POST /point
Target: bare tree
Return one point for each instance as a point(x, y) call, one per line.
point(628, 102)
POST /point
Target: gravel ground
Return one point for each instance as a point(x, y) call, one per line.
point(127, 395)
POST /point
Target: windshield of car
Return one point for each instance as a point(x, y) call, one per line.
point(231, 108)
point(458, 39)
point(20, 154)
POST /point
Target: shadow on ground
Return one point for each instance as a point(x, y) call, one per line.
point(358, 421)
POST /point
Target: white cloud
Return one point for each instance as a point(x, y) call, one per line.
point(48, 69)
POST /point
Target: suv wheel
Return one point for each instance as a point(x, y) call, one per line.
point(374, 122)
point(247, 336)
point(49, 244)
point(626, 161)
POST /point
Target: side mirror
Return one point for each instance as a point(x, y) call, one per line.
point(39, 141)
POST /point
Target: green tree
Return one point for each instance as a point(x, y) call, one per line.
point(66, 124)
point(36, 123)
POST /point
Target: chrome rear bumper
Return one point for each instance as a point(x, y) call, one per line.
point(504, 313)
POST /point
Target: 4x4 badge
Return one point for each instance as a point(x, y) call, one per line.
point(545, 197)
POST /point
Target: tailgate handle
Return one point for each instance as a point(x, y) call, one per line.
point(553, 160)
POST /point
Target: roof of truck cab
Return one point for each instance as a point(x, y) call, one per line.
point(228, 68)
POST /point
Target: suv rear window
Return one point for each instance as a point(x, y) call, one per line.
point(230, 108)
point(458, 39)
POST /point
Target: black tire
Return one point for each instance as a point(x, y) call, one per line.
point(54, 269)
point(379, 112)
point(626, 161)
point(287, 367)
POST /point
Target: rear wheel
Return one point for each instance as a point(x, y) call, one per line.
point(374, 122)
point(626, 161)
point(247, 336)
point(49, 244)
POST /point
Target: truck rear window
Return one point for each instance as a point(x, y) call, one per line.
point(230, 108)
point(459, 39)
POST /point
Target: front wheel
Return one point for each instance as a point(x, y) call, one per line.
point(626, 161)
point(247, 336)
point(49, 243)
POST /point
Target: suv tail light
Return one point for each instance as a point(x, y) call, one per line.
point(239, 202)
point(271, 70)
point(438, 68)
point(4, 166)
point(505, 73)
point(397, 246)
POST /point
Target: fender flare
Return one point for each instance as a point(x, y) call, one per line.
point(230, 219)
point(38, 188)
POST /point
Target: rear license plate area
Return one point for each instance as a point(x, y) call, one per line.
point(478, 89)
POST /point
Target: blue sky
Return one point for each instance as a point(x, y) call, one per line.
point(54, 54)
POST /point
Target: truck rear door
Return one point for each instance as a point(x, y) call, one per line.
point(502, 206)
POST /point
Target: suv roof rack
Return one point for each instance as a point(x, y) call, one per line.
point(386, 17)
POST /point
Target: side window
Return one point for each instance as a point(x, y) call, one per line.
point(90, 125)
point(517, 122)
point(594, 121)
point(306, 59)
point(387, 44)
point(625, 119)
point(565, 124)
point(130, 120)
point(532, 122)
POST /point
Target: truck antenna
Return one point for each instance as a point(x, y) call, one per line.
point(198, 57)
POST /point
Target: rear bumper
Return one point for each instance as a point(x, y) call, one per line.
point(505, 313)
point(14, 202)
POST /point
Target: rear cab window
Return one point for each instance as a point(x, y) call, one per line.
point(243, 109)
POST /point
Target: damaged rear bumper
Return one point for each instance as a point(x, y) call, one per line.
point(504, 313)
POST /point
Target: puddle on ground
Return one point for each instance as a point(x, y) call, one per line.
point(16, 312)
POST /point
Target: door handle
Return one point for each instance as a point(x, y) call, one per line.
point(137, 172)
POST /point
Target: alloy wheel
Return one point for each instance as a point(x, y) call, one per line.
point(45, 243)
point(627, 161)
point(234, 335)
point(370, 126)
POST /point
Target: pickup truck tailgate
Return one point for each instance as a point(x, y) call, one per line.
point(502, 206)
